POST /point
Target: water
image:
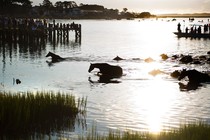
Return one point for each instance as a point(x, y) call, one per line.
point(139, 101)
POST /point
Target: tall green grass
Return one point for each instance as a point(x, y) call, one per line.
point(195, 131)
point(40, 112)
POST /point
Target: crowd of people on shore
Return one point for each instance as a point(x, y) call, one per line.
point(33, 24)
point(31, 30)
point(30, 23)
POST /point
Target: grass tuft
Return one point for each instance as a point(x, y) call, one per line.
point(40, 112)
point(194, 131)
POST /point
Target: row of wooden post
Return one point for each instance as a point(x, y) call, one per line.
point(51, 31)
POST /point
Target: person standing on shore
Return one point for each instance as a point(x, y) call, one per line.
point(179, 27)
point(186, 30)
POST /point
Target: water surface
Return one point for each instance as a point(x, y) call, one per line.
point(139, 101)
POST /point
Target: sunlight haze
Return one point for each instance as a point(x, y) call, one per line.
point(153, 6)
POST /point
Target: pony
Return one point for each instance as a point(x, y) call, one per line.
point(195, 79)
point(55, 57)
point(194, 76)
point(186, 59)
point(107, 70)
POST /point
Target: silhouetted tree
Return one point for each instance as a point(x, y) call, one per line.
point(59, 4)
point(47, 3)
point(81, 4)
point(69, 4)
point(144, 15)
point(125, 10)
point(65, 4)
point(92, 7)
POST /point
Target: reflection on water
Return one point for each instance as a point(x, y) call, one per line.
point(104, 79)
point(145, 98)
point(56, 128)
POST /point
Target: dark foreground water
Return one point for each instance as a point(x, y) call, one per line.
point(138, 101)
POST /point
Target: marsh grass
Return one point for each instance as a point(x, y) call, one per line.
point(194, 131)
point(40, 112)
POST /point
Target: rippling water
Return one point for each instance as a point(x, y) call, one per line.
point(139, 101)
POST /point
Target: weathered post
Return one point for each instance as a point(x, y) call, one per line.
point(67, 32)
point(78, 33)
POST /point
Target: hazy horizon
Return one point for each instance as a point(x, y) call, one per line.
point(152, 6)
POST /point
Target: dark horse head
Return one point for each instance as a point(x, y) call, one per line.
point(107, 70)
point(183, 74)
point(92, 66)
point(55, 57)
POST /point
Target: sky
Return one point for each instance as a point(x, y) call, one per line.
point(152, 6)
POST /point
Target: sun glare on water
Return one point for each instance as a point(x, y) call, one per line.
point(154, 98)
point(155, 102)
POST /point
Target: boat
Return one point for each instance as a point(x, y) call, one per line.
point(192, 35)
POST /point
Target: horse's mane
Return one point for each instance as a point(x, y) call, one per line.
point(100, 63)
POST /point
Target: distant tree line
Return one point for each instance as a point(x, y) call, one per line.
point(61, 9)
point(91, 7)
